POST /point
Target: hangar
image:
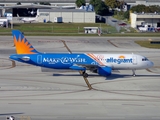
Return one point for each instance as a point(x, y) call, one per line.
point(151, 19)
point(67, 15)
point(49, 13)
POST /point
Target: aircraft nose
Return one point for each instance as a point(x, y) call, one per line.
point(151, 64)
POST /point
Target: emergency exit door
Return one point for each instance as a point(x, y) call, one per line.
point(134, 60)
point(39, 59)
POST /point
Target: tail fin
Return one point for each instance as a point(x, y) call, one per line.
point(17, 15)
point(37, 16)
point(18, 18)
point(21, 43)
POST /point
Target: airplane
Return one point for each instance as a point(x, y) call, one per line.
point(103, 64)
point(143, 29)
point(28, 19)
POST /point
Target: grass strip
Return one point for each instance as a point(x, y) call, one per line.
point(147, 44)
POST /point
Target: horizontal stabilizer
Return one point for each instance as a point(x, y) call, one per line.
point(25, 58)
point(17, 57)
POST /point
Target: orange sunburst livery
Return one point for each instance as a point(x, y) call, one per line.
point(23, 46)
point(121, 57)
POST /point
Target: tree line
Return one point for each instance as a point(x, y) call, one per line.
point(102, 7)
point(145, 9)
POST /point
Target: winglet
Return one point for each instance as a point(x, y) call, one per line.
point(21, 43)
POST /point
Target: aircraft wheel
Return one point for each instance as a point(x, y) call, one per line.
point(134, 75)
point(83, 72)
point(85, 75)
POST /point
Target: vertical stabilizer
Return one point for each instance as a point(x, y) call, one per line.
point(21, 43)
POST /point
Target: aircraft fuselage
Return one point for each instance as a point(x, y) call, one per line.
point(65, 61)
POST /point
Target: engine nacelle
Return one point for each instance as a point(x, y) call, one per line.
point(104, 71)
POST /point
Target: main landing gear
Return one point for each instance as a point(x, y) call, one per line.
point(84, 74)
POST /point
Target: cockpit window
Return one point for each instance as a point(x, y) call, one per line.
point(144, 59)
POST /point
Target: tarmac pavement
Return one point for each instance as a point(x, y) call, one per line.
point(29, 94)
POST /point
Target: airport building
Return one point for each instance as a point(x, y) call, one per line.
point(144, 2)
point(76, 15)
point(66, 15)
point(72, 2)
point(150, 19)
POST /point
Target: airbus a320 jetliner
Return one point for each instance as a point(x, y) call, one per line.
point(103, 64)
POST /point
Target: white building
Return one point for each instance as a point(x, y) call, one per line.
point(152, 19)
point(67, 15)
point(144, 2)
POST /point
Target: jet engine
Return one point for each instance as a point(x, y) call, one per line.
point(104, 71)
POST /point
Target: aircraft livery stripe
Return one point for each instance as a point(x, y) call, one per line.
point(95, 58)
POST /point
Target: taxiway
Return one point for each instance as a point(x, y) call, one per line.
point(27, 93)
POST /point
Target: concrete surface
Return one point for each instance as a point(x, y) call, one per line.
point(29, 94)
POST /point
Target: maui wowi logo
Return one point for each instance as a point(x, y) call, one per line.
point(121, 59)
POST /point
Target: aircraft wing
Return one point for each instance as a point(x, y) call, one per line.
point(101, 70)
point(88, 66)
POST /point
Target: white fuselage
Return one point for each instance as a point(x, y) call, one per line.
point(28, 19)
point(124, 61)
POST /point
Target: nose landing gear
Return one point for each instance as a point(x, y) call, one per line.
point(134, 74)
